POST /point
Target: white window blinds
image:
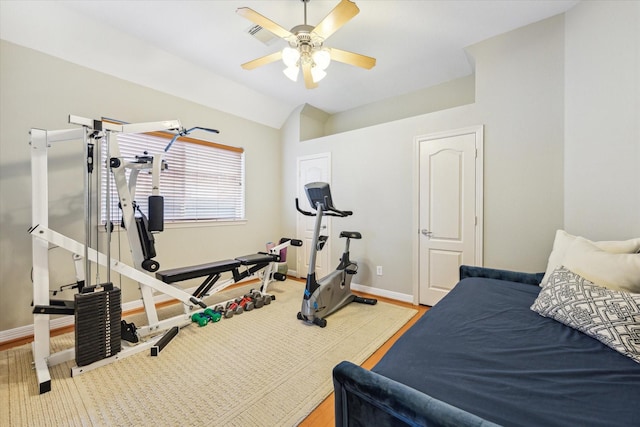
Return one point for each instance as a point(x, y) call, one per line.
point(203, 181)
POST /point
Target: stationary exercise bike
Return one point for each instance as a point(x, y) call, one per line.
point(332, 292)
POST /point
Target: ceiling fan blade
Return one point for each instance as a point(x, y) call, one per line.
point(340, 15)
point(262, 60)
point(352, 58)
point(308, 79)
point(264, 22)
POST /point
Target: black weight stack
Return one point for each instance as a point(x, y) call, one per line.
point(97, 324)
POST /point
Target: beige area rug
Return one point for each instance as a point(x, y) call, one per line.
point(259, 368)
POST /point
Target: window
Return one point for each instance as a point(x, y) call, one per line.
point(204, 181)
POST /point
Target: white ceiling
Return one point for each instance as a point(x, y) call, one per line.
point(417, 44)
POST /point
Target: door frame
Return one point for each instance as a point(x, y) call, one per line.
point(299, 218)
point(479, 208)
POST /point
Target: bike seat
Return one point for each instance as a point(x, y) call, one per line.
point(351, 234)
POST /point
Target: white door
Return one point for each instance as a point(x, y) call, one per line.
point(450, 210)
point(315, 168)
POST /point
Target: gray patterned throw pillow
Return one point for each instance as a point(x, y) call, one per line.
point(612, 317)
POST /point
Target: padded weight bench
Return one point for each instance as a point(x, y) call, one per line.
point(214, 270)
point(253, 263)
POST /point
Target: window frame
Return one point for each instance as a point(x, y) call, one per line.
point(142, 194)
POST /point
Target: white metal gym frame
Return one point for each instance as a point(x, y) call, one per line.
point(42, 236)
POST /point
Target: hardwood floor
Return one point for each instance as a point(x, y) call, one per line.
point(323, 415)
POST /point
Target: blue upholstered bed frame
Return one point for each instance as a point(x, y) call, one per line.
point(481, 357)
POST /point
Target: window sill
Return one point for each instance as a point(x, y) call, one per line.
point(204, 223)
point(190, 224)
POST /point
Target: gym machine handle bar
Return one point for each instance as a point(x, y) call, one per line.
point(331, 211)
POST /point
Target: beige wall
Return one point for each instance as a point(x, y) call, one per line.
point(447, 95)
point(520, 100)
point(40, 91)
point(602, 127)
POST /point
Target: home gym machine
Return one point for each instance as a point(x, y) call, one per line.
point(332, 292)
point(97, 305)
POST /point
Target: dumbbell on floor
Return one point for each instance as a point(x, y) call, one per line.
point(246, 303)
point(209, 315)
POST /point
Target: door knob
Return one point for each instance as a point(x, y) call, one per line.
point(427, 232)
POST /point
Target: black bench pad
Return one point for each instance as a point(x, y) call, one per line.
point(257, 259)
point(185, 273)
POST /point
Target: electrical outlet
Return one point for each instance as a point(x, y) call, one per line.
point(379, 270)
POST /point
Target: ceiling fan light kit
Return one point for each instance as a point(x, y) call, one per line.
point(322, 58)
point(290, 57)
point(292, 73)
point(306, 44)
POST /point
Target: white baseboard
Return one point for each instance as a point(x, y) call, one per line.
point(383, 293)
point(27, 330)
point(373, 291)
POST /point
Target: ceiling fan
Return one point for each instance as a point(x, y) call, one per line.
point(306, 48)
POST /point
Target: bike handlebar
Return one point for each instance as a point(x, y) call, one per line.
point(330, 211)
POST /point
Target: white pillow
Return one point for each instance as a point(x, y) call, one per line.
point(620, 272)
point(563, 240)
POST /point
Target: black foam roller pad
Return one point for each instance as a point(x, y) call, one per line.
point(156, 213)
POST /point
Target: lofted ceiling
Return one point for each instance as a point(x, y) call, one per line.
point(417, 44)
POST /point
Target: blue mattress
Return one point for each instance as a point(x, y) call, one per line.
point(483, 350)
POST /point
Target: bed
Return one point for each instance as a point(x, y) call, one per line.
point(496, 350)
